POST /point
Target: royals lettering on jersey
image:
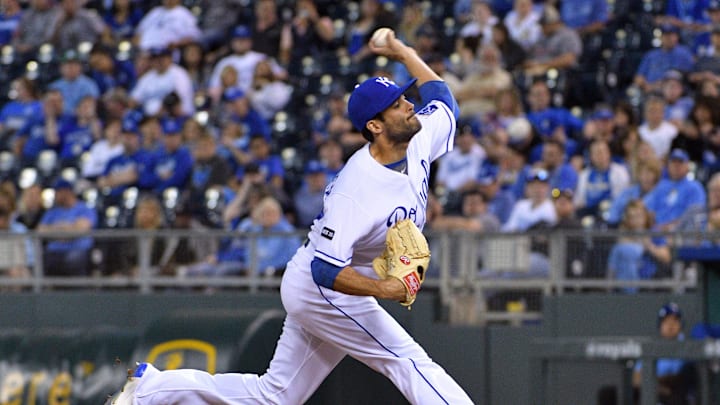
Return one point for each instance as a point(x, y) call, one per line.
point(400, 213)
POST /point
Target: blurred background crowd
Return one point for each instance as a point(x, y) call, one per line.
point(231, 114)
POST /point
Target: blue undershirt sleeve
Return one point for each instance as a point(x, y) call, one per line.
point(439, 90)
point(324, 273)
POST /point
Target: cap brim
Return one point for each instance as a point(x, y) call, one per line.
point(399, 92)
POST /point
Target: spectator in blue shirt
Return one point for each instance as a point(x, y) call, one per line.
point(584, 16)
point(33, 138)
point(239, 110)
point(600, 182)
point(109, 73)
point(677, 104)
point(309, 198)
point(9, 20)
point(79, 132)
point(676, 194)
point(637, 256)
point(16, 113)
point(73, 84)
point(562, 174)
point(670, 55)
point(649, 172)
point(67, 256)
point(269, 164)
point(209, 171)
point(125, 170)
point(122, 18)
point(551, 122)
point(173, 163)
point(676, 377)
point(271, 251)
point(686, 15)
point(499, 202)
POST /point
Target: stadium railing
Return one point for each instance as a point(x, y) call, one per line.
point(480, 278)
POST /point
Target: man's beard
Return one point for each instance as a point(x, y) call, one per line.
point(405, 132)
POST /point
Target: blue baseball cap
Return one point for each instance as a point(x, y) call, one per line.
point(372, 97)
point(242, 31)
point(233, 93)
point(159, 51)
point(603, 113)
point(129, 126)
point(171, 126)
point(668, 309)
point(314, 166)
point(679, 154)
point(62, 184)
point(488, 175)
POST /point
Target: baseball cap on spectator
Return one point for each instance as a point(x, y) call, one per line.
point(679, 154)
point(669, 29)
point(129, 126)
point(314, 166)
point(242, 31)
point(673, 74)
point(372, 97)
point(62, 184)
point(233, 93)
point(669, 309)
point(171, 126)
point(70, 55)
point(488, 175)
point(159, 51)
point(603, 113)
point(537, 175)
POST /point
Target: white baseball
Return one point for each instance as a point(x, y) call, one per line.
point(380, 37)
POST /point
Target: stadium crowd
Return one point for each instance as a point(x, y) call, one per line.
point(231, 114)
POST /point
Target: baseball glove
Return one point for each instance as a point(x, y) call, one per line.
point(406, 257)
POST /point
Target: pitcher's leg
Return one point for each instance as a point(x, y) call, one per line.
point(300, 363)
point(365, 331)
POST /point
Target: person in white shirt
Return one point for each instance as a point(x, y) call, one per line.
point(536, 208)
point(163, 78)
point(170, 25)
point(103, 150)
point(656, 130)
point(523, 23)
point(243, 60)
point(459, 168)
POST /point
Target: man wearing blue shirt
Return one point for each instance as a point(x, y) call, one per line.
point(674, 195)
point(9, 20)
point(670, 55)
point(239, 110)
point(34, 136)
point(270, 165)
point(551, 122)
point(67, 256)
point(73, 84)
point(16, 113)
point(79, 132)
point(584, 16)
point(124, 171)
point(173, 162)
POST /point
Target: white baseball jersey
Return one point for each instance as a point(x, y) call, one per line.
point(322, 325)
point(366, 198)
